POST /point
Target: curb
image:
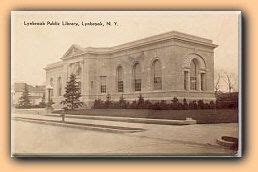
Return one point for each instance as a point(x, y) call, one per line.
point(79, 125)
point(134, 120)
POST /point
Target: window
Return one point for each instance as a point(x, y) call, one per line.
point(202, 81)
point(185, 80)
point(120, 82)
point(137, 85)
point(157, 77)
point(103, 86)
point(120, 87)
point(59, 86)
point(193, 75)
point(137, 77)
point(103, 89)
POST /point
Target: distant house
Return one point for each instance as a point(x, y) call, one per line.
point(36, 93)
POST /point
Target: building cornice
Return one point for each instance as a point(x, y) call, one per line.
point(174, 35)
point(54, 65)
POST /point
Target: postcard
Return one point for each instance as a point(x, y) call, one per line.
point(126, 84)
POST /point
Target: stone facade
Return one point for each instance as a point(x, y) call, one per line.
point(160, 67)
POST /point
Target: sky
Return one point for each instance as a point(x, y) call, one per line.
point(35, 46)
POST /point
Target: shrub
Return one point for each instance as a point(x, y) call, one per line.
point(200, 104)
point(98, 104)
point(185, 104)
point(164, 105)
point(161, 105)
point(107, 104)
point(140, 102)
point(212, 105)
point(180, 106)
point(174, 104)
point(147, 104)
point(193, 105)
point(227, 100)
point(31, 106)
point(122, 103)
point(133, 105)
point(156, 106)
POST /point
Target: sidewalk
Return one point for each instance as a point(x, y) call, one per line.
point(111, 118)
point(113, 122)
point(100, 123)
point(188, 134)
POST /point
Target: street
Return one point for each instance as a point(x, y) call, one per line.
point(40, 139)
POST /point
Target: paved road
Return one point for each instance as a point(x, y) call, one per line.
point(32, 138)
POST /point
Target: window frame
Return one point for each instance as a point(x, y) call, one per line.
point(203, 83)
point(194, 75)
point(103, 84)
point(120, 86)
point(137, 80)
point(137, 85)
point(120, 79)
point(186, 73)
point(157, 77)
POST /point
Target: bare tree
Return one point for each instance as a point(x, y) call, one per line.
point(217, 83)
point(225, 81)
point(231, 81)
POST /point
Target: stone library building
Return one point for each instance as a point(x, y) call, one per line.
point(159, 67)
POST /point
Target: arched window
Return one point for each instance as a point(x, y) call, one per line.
point(120, 79)
point(157, 75)
point(59, 86)
point(193, 74)
point(137, 77)
point(52, 85)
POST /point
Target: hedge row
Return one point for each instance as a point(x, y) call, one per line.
point(174, 104)
point(40, 105)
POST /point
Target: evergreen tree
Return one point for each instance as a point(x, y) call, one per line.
point(72, 94)
point(24, 99)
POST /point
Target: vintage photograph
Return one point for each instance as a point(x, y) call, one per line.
point(126, 83)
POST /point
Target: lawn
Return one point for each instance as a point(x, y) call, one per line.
point(203, 116)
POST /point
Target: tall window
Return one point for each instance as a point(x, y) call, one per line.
point(157, 77)
point(203, 81)
point(120, 83)
point(185, 80)
point(137, 77)
point(52, 85)
point(103, 84)
point(193, 75)
point(59, 86)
